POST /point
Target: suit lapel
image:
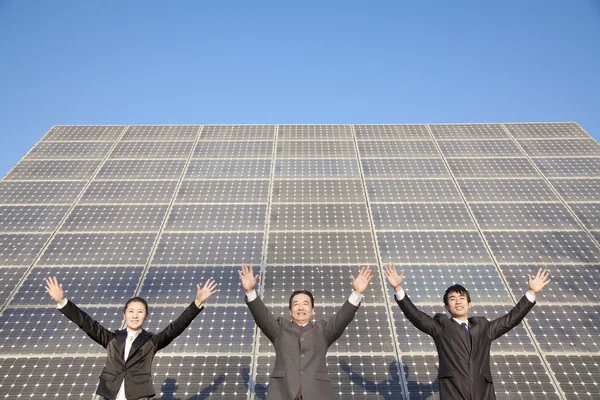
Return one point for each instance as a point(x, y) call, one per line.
point(137, 343)
point(474, 329)
point(461, 333)
point(121, 337)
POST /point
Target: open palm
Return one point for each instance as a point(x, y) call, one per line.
point(248, 278)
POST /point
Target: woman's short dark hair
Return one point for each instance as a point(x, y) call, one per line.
point(456, 289)
point(136, 299)
point(306, 292)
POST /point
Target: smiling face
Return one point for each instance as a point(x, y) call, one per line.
point(458, 305)
point(301, 309)
point(135, 315)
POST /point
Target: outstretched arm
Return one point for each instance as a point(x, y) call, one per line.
point(176, 328)
point(500, 326)
point(94, 330)
point(418, 318)
point(335, 326)
point(265, 320)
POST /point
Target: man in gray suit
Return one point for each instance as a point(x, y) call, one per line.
point(463, 343)
point(301, 345)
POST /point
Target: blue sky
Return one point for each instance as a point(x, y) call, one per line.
point(197, 62)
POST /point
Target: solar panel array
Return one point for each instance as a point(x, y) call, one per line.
point(118, 211)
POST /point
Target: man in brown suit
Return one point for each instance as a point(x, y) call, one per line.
point(463, 343)
point(301, 345)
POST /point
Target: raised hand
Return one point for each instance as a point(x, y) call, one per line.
point(210, 288)
point(248, 278)
point(392, 276)
point(537, 283)
point(55, 290)
point(361, 282)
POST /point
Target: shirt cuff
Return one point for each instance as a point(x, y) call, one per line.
point(251, 296)
point(59, 306)
point(530, 297)
point(355, 299)
point(400, 294)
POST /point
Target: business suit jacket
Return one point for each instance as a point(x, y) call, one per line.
point(138, 368)
point(300, 352)
point(463, 374)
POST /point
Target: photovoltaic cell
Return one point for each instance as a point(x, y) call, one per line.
point(468, 131)
point(329, 284)
point(432, 247)
point(316, 168)
point(239, 149)
point(53, 169)
point(98, 249)
point(578, 189)
point(31, 218)
point(414, 216)
point(228, 169)
point(567, 167)
point(320, 248)
point(119, 192)
point(390, 148)
point(216, 329)
point(315, 132)
point(302, 217)
point(37, 330)
point(69, 150)
point(177, 285)
point(90, 133)
point(9, 278)
point(217, 217)
point(201, 377)
point(392, 132)
point(404, 168)
point(130, 150)
point(85, 285)
point(228, 248)
point(577, 375)
point(547, 131)
point(165, 132)
point(561, 148)
point(238, 132)
point(566, 328)
point(483, 282)
point(141, 169)
point(542, 247)
point(514, 216)
point(492, 168)
point(40, 192)
point(570, 283)
point(368, 332)
point(37, 378)
point(231, 191)
point(316, 149)
point(479, 148)
point(413, 190)
point(115, 218)
point(20, 249)
point(491, 190)
point(588, 214)
point(314, 191)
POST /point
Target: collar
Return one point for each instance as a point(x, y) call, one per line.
point(462, 322)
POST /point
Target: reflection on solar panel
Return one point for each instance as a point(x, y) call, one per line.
point(119, 211)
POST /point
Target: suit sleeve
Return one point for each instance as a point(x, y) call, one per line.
point(500, 326)
point(92, 328)
point(175, 328)
point(334, 327)
point(418, 318)
point(265, 320)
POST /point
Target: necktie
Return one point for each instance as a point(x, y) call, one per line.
point(467, 335)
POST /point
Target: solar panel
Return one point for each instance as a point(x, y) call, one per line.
point(122, 211)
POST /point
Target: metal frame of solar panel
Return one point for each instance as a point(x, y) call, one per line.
point(119, 211)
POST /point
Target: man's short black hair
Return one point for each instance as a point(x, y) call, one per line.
point(136, 299)
point(456, 289)
point(306, 292)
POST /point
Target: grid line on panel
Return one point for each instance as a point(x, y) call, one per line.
point(556, 193)
point(60, 224)
point(166, 216)
point(382, 279)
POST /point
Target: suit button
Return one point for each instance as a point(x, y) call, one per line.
point(301, 355)
point(302, 339)
point(301, 372)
